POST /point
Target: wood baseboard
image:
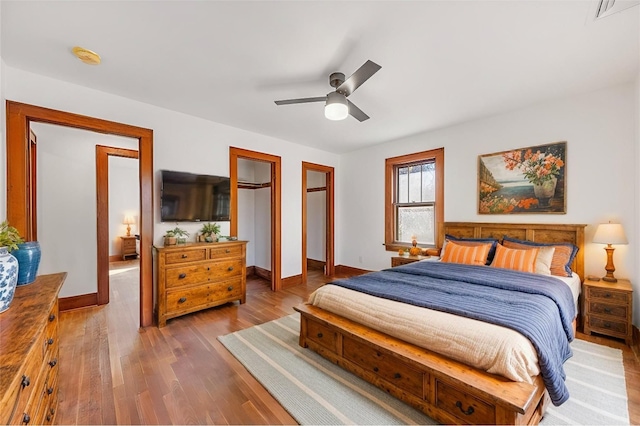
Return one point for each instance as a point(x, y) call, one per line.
point(635, 342)
point(115, 258)
point(79, 301)
point(291, 281)
point(251, 270)
point(315, 264)
point(262, 273)
point(350, 270)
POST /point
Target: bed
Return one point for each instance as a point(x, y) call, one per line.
point(444, 386)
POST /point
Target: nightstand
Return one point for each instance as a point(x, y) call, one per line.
point(403, 260)
point(607, 308)
point(128, 247)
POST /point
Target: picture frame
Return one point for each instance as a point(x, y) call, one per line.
point(529, 180)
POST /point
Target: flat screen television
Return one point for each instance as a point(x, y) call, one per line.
point(188, 197)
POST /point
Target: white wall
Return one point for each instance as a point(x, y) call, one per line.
point(601, 133)
point(181, 142)
point(316, 216)
point(246, 209)
point(124, 199)
point(262, 216)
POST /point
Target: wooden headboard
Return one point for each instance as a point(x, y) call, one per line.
point(540, 233)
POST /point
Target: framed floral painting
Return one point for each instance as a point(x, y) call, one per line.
point(523, 180)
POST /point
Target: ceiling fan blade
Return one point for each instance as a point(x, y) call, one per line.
point(358, 78)
point(301, 100)
point(357, 112)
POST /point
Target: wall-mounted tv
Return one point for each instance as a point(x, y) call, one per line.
point(188, 197)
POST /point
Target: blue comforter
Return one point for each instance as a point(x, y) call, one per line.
point(539, 307)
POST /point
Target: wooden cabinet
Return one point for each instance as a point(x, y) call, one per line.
point(403, 260)
point(29, 353)
point(128, 247)
point(192, 277)
point(608, 308)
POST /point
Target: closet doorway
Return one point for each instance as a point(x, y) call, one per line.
point(317, 217)
point(273, 164)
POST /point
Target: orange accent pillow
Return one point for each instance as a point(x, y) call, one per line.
point(468, 255)
point(519, 260)
point(561, 260)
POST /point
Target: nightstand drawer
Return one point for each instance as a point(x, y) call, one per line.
point(607, 325)
point(128, 244)
point(603, 293)
point(606, 309)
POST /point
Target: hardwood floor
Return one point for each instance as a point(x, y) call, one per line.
point(112, 372)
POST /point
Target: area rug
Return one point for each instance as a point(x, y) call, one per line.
point(315, 391)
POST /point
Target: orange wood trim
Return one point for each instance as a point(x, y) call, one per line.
point(251, 270)
point(292, 281)
point(76, 302)
point(389, 184)
point(262, 273)
point(19, 117)
point(244, 185)
point(319, 189)
point(115, 258)
point(635, 345)
point(315, 264)
point(276, 205)
point(330, 216)
point(350, 270)
point(102, 213)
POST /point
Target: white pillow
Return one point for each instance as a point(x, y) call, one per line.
point(543, 261)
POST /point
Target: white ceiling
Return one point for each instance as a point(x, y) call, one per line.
point(443, 62)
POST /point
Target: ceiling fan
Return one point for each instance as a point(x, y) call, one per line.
point(337, 106)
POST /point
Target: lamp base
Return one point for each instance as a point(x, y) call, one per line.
point(610, 279)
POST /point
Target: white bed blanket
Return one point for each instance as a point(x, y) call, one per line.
point(485, 346)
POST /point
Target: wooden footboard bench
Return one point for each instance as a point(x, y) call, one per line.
point(446, 390)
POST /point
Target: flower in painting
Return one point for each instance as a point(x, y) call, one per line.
point(538, 167)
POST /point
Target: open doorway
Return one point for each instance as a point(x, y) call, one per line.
point(317, 218)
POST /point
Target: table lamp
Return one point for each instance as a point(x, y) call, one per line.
point(610, 233)
point(128, 220)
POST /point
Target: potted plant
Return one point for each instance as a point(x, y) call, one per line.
point(209, 232)
point(170, 238)
point(9, 240)
point(181, 235)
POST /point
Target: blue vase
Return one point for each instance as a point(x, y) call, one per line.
point(8, 278)
point(28, 255)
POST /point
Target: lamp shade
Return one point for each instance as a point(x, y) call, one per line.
point(610, 233)
point(128, 220)
point(337, 107)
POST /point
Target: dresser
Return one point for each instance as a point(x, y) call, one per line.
point(128, 247)
point(608, 308)
point(29, 353)
point(195, 276)
point(403, 260)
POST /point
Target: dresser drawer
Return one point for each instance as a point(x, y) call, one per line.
point(384, 366)
point(222, 252)
point(467, 408)
point(203, 295)
point(602, 293)
point(185, 256)
point(607, 326)
point(619, 311)
point(128, 244)
point(187, 275)
point(22, 388)
point(322, 335)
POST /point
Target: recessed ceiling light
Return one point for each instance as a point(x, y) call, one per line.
point(86, 55)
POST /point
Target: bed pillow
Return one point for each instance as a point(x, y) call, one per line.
point(517, 259)
point(544, 259)
point(563, 254)
point(468, 255)
point(472, 242)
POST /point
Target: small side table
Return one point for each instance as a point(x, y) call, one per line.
point(608, 308)
point(403, 260)
point(128, 247)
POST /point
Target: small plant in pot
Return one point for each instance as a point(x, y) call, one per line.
point(209, 232)
point(9, 240)
point(181, 235)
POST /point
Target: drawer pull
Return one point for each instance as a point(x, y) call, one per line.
point(607, 310)
point(607, 325)
point(52, 317)
point(376, 369)
point(182, 300)
point(230, 268)
point(230, 288)
point(52, 411)
point(26, 418)
point(469, 410)
point(48, 417)
point(397, 376)
point(184, 256)
point(320, 335)
point(50, 390)
point(607, 295)
point(227, 251)
point(25, 382)
point(50, 341)
point(208, 268)
point(53, 362)
point(182, 276)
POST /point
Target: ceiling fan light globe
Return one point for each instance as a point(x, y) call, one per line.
point(337, 107)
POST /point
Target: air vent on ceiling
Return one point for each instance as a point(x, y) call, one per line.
point(609, 7)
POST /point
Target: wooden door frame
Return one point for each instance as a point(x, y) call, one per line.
point(276, 205)
point(102, 213)
point(19, 117)
point(329, 268)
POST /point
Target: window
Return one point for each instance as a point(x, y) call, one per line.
point(414, 192)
